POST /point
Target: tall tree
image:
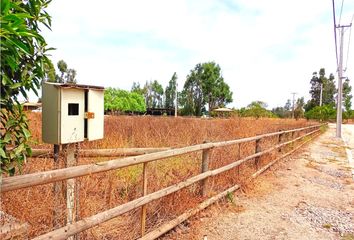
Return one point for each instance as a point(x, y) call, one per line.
point(24, 61)
point(50, 75)
point(299, 108)
point(205, 86)
point(63, 68)
point(216, 92)
point(347, 97)
point(287, 106)
point(192, 97)
point(170, 92)
point(329, 91)
point(137, 88)
point(67, 75)
point(157, 94)
point(153, 93)
point(318, 81)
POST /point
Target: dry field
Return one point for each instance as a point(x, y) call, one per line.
point(105, 190)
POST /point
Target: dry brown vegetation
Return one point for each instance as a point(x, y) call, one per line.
point(105, 190)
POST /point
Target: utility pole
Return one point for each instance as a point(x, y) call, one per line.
point(340, 84)
point(293, 114)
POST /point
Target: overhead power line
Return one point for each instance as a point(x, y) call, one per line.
point(341, 11)
point(335, 31)
point(350, 33)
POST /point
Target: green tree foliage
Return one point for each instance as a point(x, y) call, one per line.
point(347, 98)
point(23, 66)
point(137, 89)
point(67, 75)
point(153, 93)
point(287, 106)
point(328, 90)
point(279, 112)
point(299, 108)
point(124, 101)
point(50, 75)
point(192, 98)
point(256, 109)
point(283, 112)
point(216, 92)
point(204, 85)
point(322, 113)
point(170, 92)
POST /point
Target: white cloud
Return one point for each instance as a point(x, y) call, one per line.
point(266, 49)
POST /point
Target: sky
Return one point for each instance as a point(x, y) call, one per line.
point(266, 49)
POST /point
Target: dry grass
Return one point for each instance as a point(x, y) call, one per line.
point(103, 191)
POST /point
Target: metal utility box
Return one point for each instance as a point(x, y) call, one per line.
point(71, 113)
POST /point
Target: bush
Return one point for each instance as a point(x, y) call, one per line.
point(257, 110)
point(322, 113)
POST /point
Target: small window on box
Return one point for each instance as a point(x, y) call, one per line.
point(73, 109)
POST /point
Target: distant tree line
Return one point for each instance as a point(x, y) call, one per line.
point(322, 104)
point(203, 90)
point(325, 108)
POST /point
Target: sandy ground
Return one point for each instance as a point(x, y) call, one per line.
point(307, 196)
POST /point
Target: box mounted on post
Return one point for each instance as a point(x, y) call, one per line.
point(71, 113)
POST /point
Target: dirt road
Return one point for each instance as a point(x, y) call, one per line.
point(307, 196)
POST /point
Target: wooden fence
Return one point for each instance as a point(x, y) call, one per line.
point(29, 180)
point(113, 152)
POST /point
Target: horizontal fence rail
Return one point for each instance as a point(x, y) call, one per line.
point(34, 179)
point(112, 152)
point(23, 181)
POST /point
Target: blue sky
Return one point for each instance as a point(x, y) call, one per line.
point(266, 49)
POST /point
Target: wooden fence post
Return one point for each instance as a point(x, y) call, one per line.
point(238, 158)
point(57, 190)
point(71, 160)
point(143, 208)
point(205, 168)
point(258, 149)
point(280, 139)
point(77, 189)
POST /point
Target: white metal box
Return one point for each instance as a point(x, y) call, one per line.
point(71, 113)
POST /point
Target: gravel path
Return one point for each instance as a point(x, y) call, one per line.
point(308, 196)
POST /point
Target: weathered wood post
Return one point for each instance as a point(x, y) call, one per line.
point(143, 208)
point(205, 167)
point(238, 158)
point(57, 190)
point(77, 188)
point(71, 195)
point(280, 140)
point(258, 149)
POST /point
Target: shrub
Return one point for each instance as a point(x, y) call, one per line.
point(322, 113)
